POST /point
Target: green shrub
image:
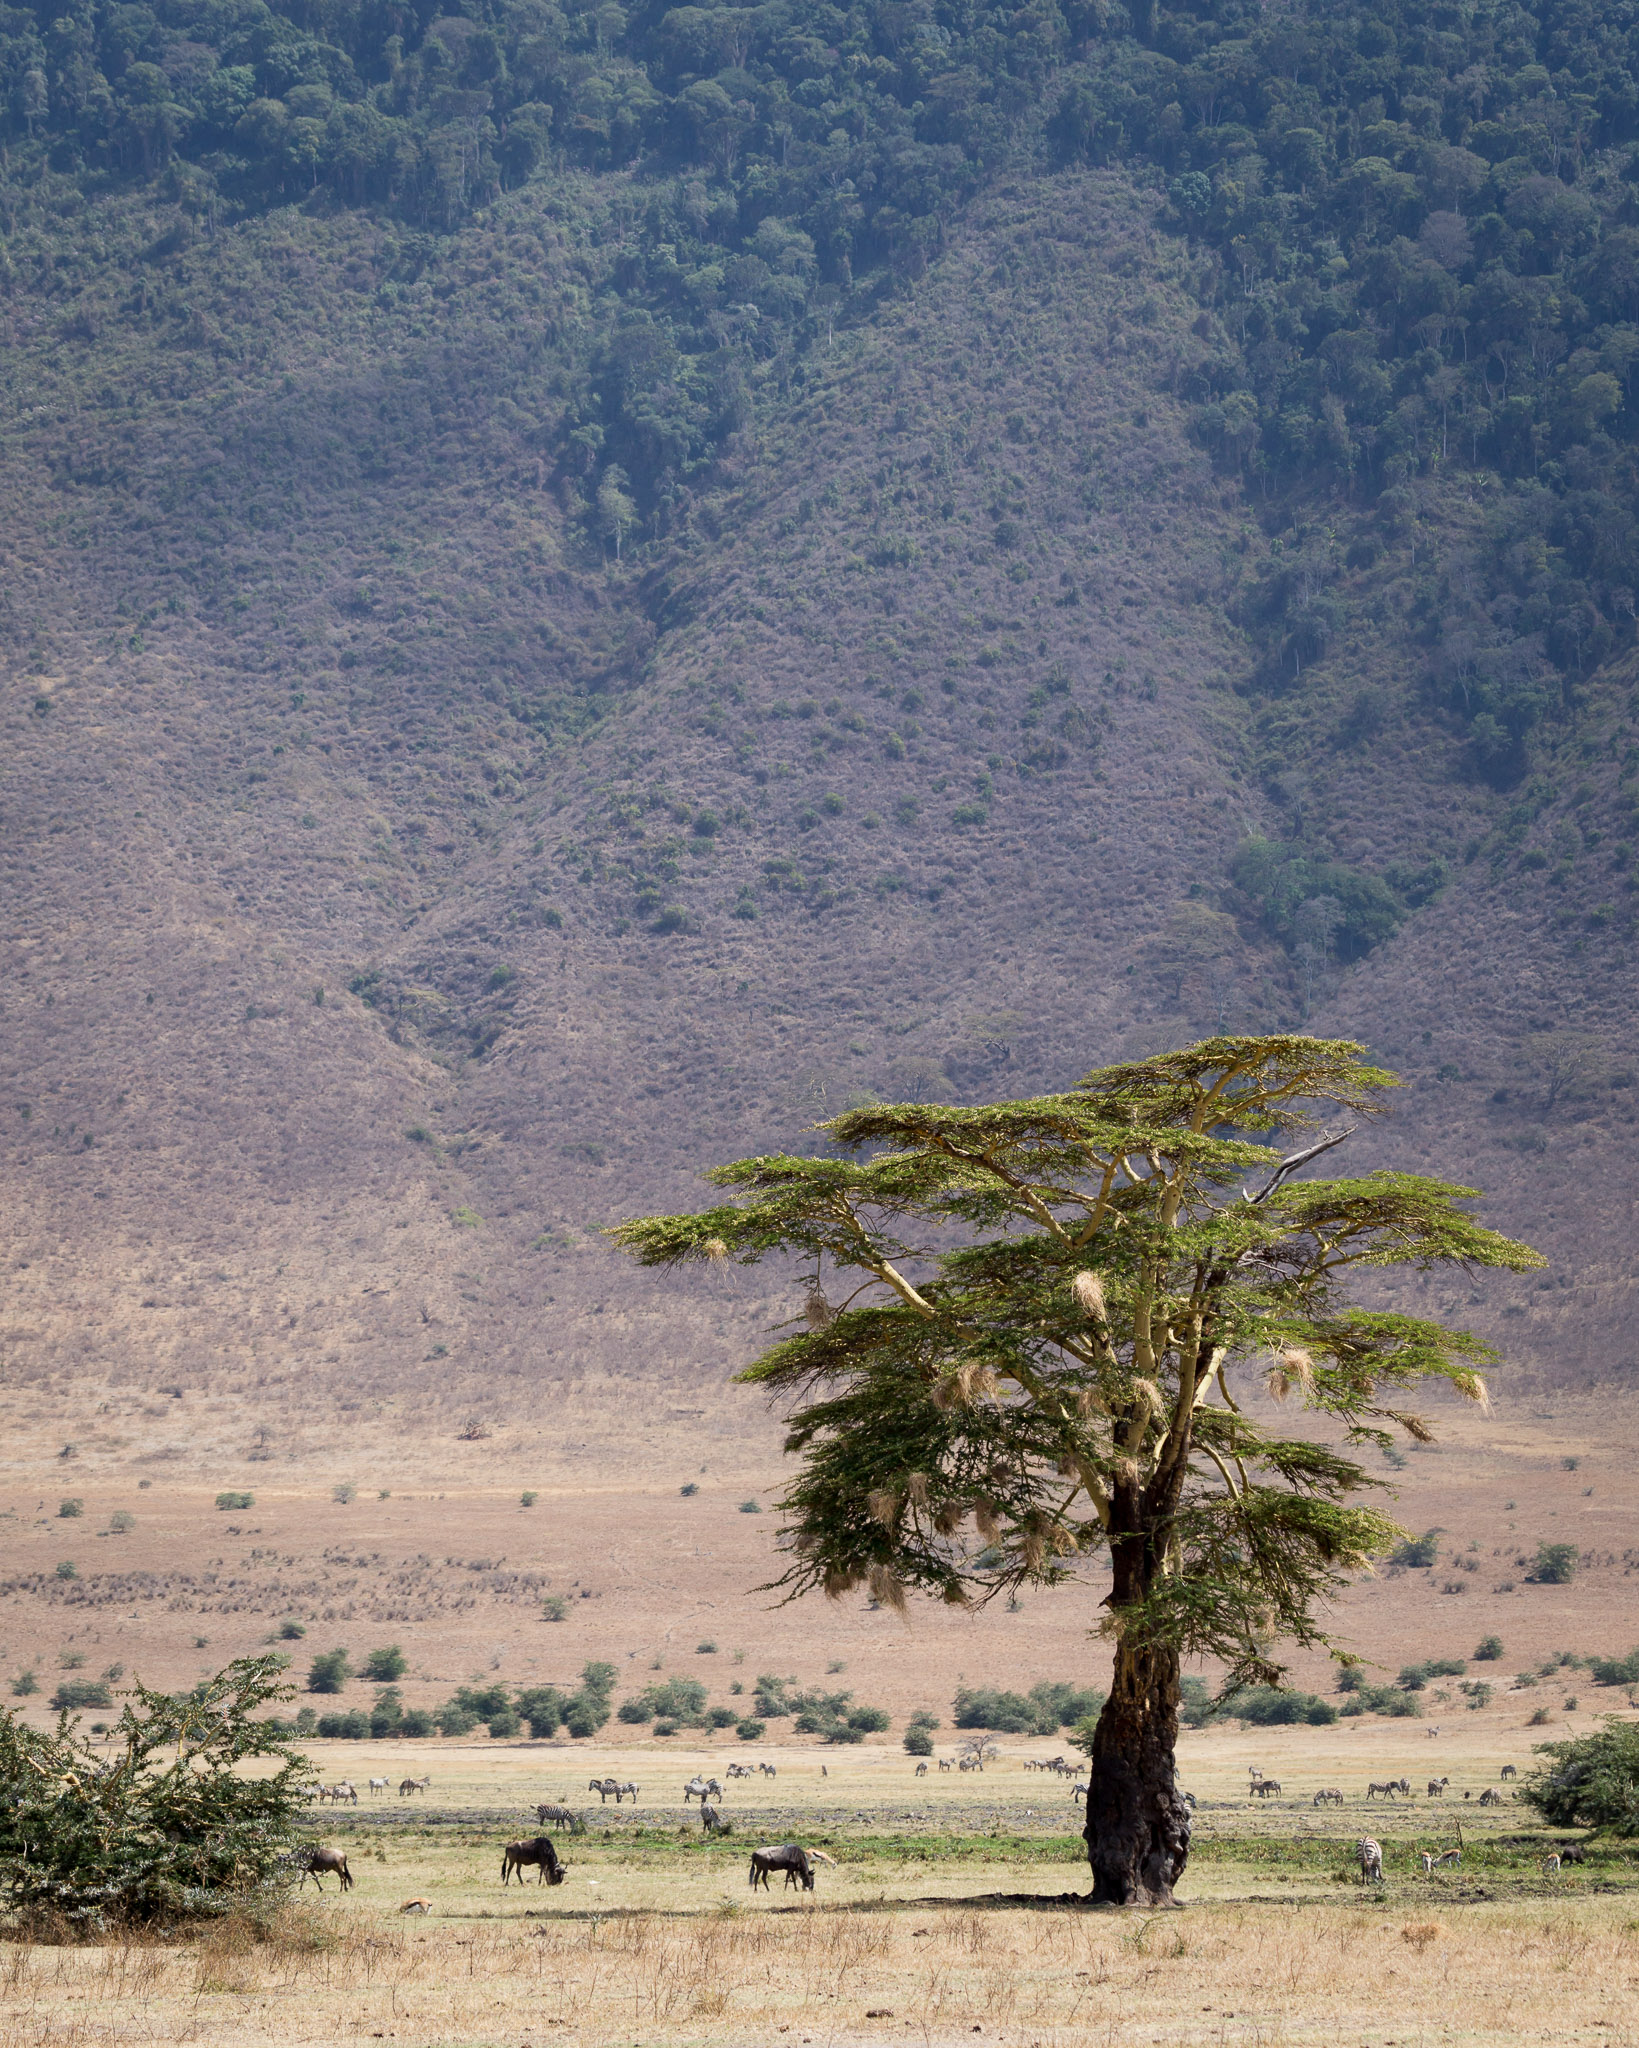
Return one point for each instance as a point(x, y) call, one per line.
point(67, 1569)
point(344, 1492)
point(635, 1712)
point(1419, 1552)
point(381, 1667)
point(121, 1522)
point(688, 1491)
point(68, 1510)
point(76, 1693)
point(545, 1708)
point(174, 1830)
point(505, 1725)
point(706, 1649)
point(1488, 1650)
point(526, 1500)
point(1615, 1670)
point(554, 1608)
point(723, 1717)
point(291, 1631)
point(353, 1726)
point(25, 1684)
point(749, 1730)
point(1268, 1706)
point(235, 1503)
point(1589, 1782)
point(416, 1724)
point(1413, 1677)
point(870, 1720)
point(1044, 1709)
point(751, 1507)
point(1555, 1565)
point(918, 1742)
point(329, 1672)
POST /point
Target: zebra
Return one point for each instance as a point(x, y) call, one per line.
point(1369, 1854)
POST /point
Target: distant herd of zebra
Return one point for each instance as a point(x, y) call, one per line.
point(1377, 1788)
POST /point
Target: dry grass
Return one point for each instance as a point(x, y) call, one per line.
point(918, 1973)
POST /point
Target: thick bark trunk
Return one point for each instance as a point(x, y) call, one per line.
point(1137, 1829)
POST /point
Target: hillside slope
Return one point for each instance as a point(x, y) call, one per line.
point(399, 886)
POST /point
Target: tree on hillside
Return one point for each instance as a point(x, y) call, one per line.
point(1049, 1307)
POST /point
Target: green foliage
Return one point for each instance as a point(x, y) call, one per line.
point(69, 1509)
point(353, 1726)
point(1555, 1564)
point(235, 1503)
point(1590, 1782)
point(1267, 1706)
point(993, 1413)
point(1390, 1700)
point(750, 1729)
point(1419, 1552)
point(1046, 1709)
point(1615, 1670)
point(329, 1672)
point(1283, 882)
point(554, 1607)
point(918, 1742)
point(291, 1631)
point(1488, 1650)
point(381, 1667)
point(1413, 1677)
point(24, 1685)
point(160, 1825)
point(74, 1693)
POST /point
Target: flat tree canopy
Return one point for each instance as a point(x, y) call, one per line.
point(1046, 1308)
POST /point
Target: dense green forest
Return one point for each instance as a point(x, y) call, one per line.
point(1415, 237)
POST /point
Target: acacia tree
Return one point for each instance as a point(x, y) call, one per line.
point(1034, 1372)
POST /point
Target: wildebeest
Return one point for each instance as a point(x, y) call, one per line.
point(790, 1857)
point(559, 1817)
point(315, 1860)
point(1573, 1852)
point(1370, 1857)
point(540, 1851)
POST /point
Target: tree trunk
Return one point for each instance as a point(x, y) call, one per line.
point(1137, 1829)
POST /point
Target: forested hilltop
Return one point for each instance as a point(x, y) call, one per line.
point(563, 560)
point(1419, 226)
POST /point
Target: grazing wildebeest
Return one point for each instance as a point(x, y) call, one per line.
point(539, 1851)
point(559, 1817)
point(315, 1860)
point(1328, 1795)
point(1370, 1857)
point(790, 1857)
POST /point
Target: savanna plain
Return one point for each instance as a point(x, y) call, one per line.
point(951, 1908)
